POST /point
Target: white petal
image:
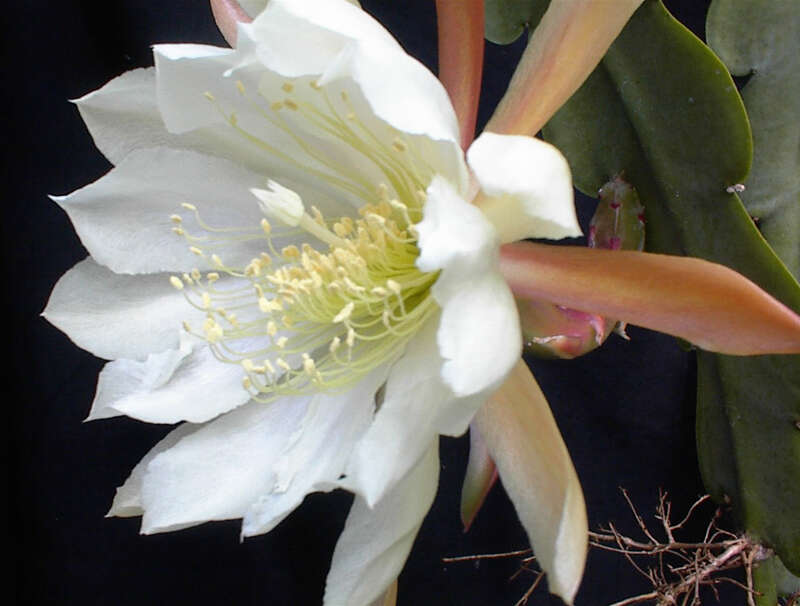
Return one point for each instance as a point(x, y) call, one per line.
point(375, 543)
point(128, 500)
point(253, 7)
point(189, 384)
point(479, 334)
point(316, 457)
point(454, 234)
point(217, 472)
point(417, 406)
point(536, 470)
point(526, 185)
point(181, 87)
point(123, 219)
point(114, 316)
point(124, 116)
point(301, 38)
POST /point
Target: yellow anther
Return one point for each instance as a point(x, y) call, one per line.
point(351, 337)
point(247, 383)
point(212, 277)
point(188, 206)
point(345, 313)
point(175, 218)
point(399, 145)
point(188, 279)
point(281, 342)
point(196, 251)
point(248, 365)
point(394, 287)
point(176, 282)
point(209, 96)
point(287, 321)
point(272, 328)
point(217, 261)
point(264, 305)
point(317, 215)
point(266, 227)
point(290, 104)
point(290, 252)
point(308, 365)
point(195, 274)
point(266, 260)
point(335, 344)
point(315, 85)
point(206, 303)
point(186, 326)
point(379, 291)
point(276, 106)
point(240, 87)
point(178, 230)
point(269, 367)
point(287, 87)
point(212, 330)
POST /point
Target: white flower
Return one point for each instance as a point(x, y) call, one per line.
point(339, 295)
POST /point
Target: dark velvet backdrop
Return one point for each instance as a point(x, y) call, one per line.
point(626, 411)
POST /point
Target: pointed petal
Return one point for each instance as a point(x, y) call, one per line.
point(218, 471)
point(316, 457)
point(708, 304)
point(189, 384)
point(526, 187)
point(114, 316)
point(415, 389)
point(479, 478)
point(123, 219)
point(568, 43)
point(128, 500)
point(376, 541)
point(538, 476)
point(460, 28)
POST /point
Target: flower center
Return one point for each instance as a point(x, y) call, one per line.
point(302, 318)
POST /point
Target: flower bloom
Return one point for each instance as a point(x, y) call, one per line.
point(285, 258)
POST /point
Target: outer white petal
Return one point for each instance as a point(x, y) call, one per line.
point(188, 384)
point(114, 316)
point(218, 471)
point(128, 500)
point(376, 541)
point(479, 334)
point(527, 187)
point(124, 116)
point(123, 219)
point(316, 457)
point(417, 406)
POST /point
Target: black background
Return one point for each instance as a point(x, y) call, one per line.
point(626, 411)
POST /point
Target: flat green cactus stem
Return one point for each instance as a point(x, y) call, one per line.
point(663, 108)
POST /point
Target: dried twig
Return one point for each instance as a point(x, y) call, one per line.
point(677, 570)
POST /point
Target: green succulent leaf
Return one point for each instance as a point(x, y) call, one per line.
point(761, 38)
point(663, 108)
point(506, 20)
